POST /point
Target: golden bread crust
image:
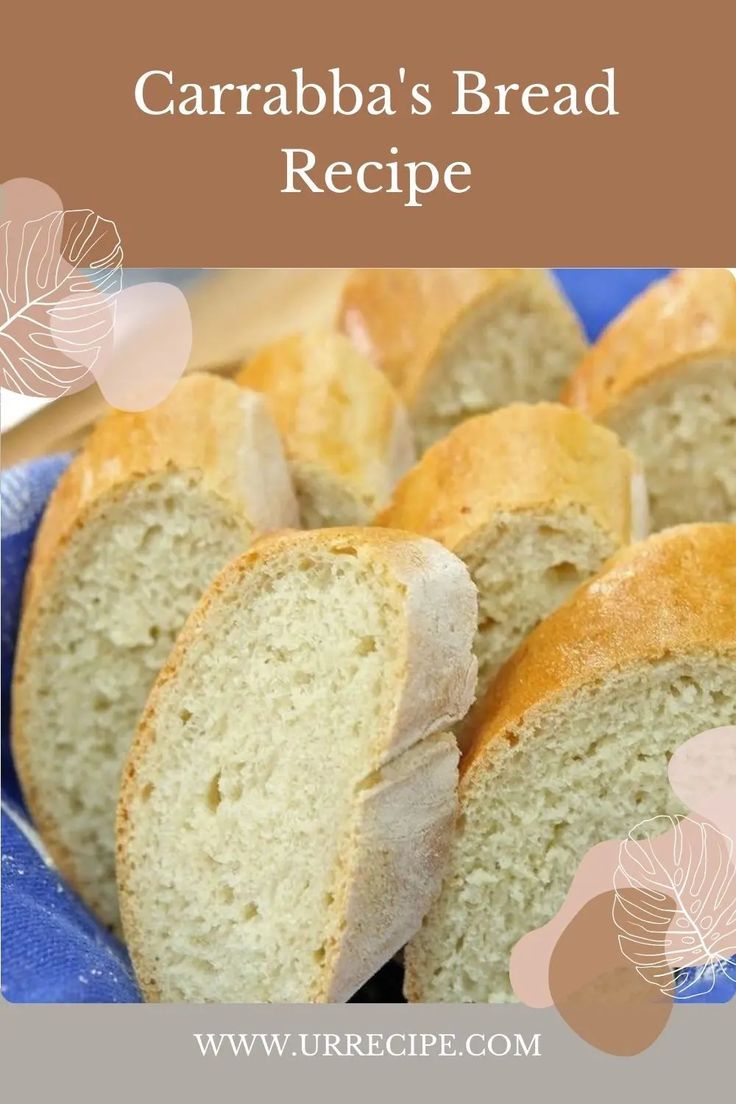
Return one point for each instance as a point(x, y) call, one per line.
point(674, 593)
point(402, 317)
point(199, 427)
point(521, 458)
point(335, 410)
point(688, 317)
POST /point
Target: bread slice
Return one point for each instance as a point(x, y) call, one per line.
point(289, 797)
point(147, 513)
point(572, 748)
point(345, 431)
point(663, 376)
point(533, 499)
point(460, 341)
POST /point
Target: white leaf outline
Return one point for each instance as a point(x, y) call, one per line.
point(694, 881)
point(57, 308)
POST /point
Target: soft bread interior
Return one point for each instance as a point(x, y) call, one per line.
point(325, 500)
point(520, 344)
point(345, 432)
point(586, 768)
point(683, 429)
point(108, 616)
point(329, 497)
point(261, 787)
point(524, 565)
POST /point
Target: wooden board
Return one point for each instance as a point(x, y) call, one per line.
point(234, 313)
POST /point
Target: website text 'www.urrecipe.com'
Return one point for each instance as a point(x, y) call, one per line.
point(368, 1045)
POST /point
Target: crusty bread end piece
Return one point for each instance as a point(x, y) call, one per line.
point(460, 341)
point(533, 499)
point(154, 505)
point(663, 376)
point(571, 748)
point(289, 797)
point(345, 430)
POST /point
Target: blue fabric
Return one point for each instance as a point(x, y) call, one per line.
point(53, 950)
point(24, 493)
point(599, 294)
point(708, 984)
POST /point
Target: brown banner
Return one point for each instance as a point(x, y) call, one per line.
point(652, 183)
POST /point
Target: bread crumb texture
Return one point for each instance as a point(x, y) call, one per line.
point(140, 523)
point(663, 376)
point(288, 800)
point(345, 430)
point(533, 499)
point(458, 342)
point(572, 748)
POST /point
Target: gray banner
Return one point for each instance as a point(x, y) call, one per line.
point(93, 1053)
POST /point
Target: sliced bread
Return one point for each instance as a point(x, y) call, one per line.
point(663, 376)
point(533, 499)
point(147, 513)
point(345, 431)
point(289, 797)
point(461, 341)
point(572, 745)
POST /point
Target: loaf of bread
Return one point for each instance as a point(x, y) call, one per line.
point(572, 744)
point(461, 341)
point(345, 431)
point(139, 524)
point(288, 800)
point(533, 499)
point(663, 376)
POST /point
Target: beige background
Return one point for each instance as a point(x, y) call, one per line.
point(234, 313)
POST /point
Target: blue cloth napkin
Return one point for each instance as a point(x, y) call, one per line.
point(53, 950)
